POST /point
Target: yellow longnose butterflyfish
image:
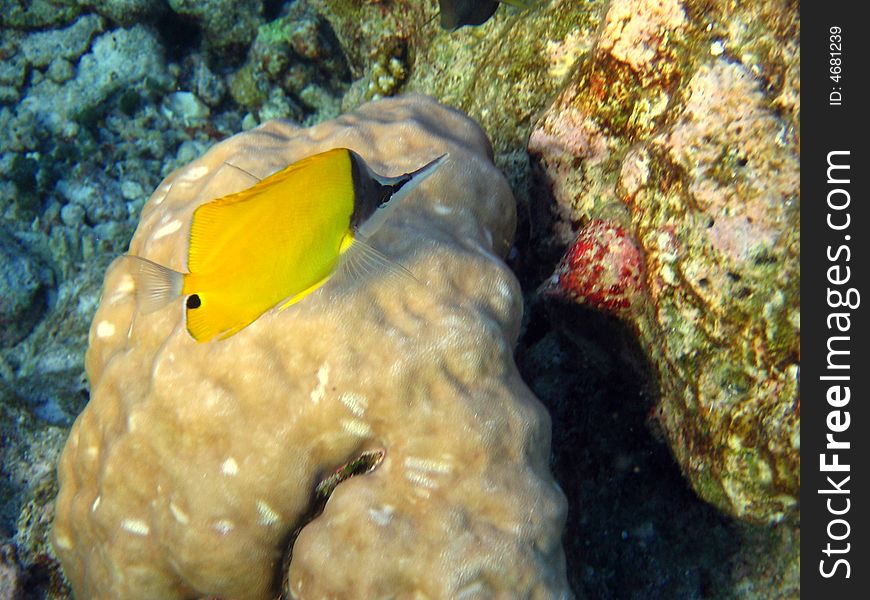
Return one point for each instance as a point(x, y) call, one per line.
point(276, 242)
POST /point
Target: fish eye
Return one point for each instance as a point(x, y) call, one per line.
point(193, 301)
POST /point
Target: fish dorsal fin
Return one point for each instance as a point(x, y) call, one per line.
point(245, 171)
point(361, 261)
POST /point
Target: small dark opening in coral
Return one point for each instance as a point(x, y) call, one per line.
point(272, 9)
point(178, 35)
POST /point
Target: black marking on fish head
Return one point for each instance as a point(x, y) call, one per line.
point(371, 191)
point(193, 301)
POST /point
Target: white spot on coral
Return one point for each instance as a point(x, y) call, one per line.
point(230, 466)
point(179, 514)
point(422, 492)
point(62, 541)
point(268, 516)
point(223, 526)
point(472, 590)
point(420, 479)
point(160, 194)
point(96, 504)
point(170, 227)
point(355, 403)
point(92, 451)
point(356, 427)
point(442, 209)
point(132, 422)
point(504, 289)
point(117, 296)
point(429, 465)
point(193, 174)
point(382, 515)
point(717, 48)
point(126, 285)
point(135, 526)
point(319, 392)
point(105, 329)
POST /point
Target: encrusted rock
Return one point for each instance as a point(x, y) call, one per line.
point(21, 290)
point(677, 142)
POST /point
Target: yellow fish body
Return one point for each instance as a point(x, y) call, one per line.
point(276, 241)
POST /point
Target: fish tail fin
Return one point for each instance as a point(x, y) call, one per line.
point(156, 285)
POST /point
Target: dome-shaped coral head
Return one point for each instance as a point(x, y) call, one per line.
point(603, 269)
point(278, 241)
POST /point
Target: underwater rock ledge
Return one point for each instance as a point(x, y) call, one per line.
point(193, 463)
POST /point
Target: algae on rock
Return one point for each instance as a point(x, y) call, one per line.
point(704, 172)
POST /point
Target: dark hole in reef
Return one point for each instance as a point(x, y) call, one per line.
point(703, 282)
point(742, 161)
point(764, 258)
point(178, 35)
point(635, 529)
point(366, 462)
point(23, 173)
point(129, 102)
point(272, 9)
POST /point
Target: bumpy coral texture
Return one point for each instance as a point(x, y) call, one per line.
point(193, 464)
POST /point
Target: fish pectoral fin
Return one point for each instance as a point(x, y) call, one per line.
point(156, 285)
point(362, 260)
point(297, 297)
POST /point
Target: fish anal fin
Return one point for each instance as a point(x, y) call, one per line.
point(299, 296)
point(245, 171)
point(156, 285)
